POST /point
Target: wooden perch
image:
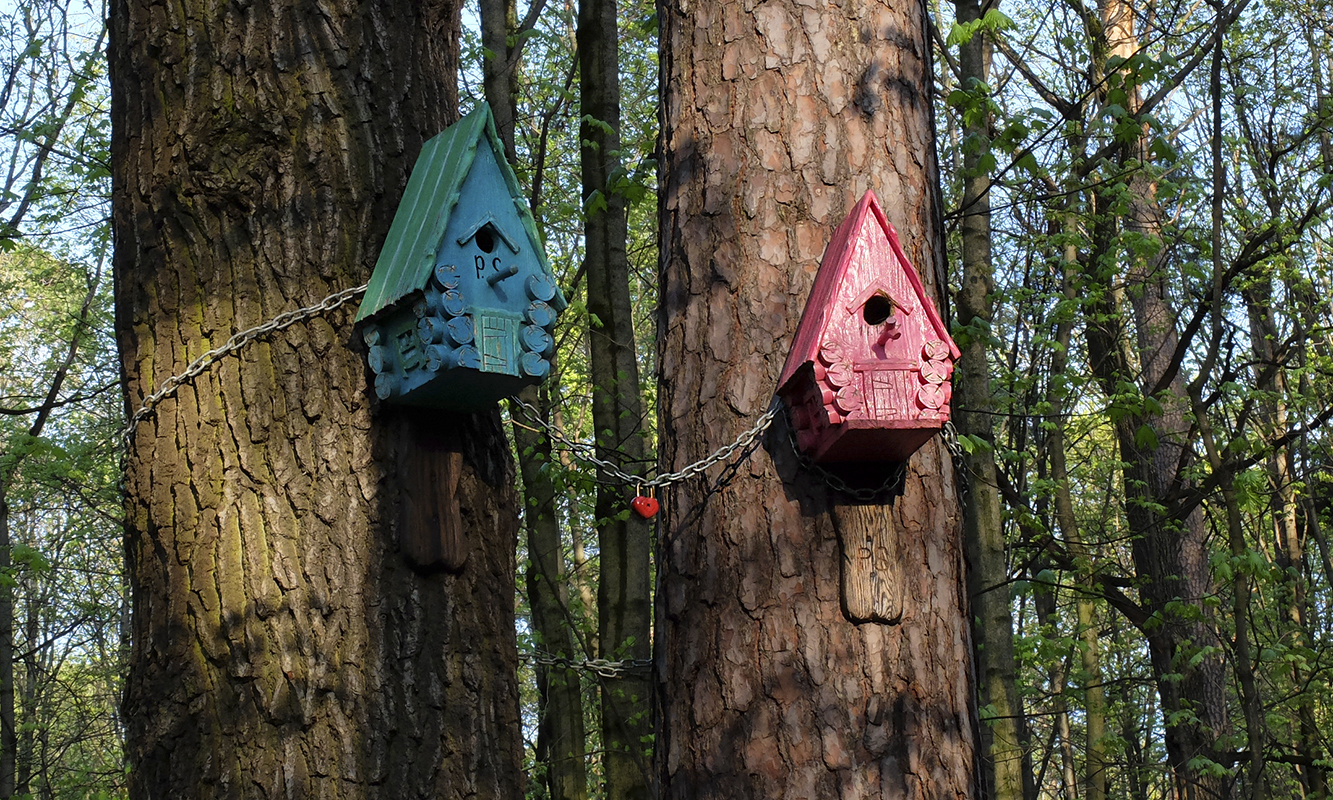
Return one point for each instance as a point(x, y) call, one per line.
point(872, 586)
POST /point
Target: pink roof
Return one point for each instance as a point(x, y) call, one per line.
point(828, 286)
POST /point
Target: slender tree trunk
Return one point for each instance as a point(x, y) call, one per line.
point(1058, 680)
point(8, 728)
point(561, 747)
point(499, 74)
point(1243, 648)
point(1315, 776)
point(560, 726)
point(624, 540)
point(1094, 694)
point(1237, 544)
point(560, 730)
point(983, 530)
point(282, 647)
point(27, 702)
point(1170, 548)
point(777, 119)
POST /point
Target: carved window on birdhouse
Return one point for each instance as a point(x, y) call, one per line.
point(497, 344)
point(409, 350)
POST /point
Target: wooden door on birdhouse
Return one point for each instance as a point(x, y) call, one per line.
point(868, 375)
point(461, 306)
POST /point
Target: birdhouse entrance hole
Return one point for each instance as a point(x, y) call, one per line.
point(877, 310)
point(486, 239)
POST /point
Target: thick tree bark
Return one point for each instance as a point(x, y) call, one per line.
point(624, 612)
point(983, 532)
point(282, 647)
point(777, 120)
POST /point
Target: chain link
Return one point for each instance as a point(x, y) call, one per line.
point(580, 448)
point(236, 342)
point(956, 453)
point(835, 482)
point(601, 666)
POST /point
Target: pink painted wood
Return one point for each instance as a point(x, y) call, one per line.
point(868, 374)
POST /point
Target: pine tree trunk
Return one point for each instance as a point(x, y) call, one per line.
point(777, 120)
point(282, 646)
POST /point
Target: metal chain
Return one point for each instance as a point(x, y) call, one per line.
point(579, 448)
point(236, 342)
point(835, 482)
point(601, 666)
point(956, 453)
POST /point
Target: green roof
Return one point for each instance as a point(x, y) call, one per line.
point(408, 256)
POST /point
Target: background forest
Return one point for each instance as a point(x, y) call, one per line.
point(1140, 273)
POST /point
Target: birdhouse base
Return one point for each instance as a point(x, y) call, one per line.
point(465, 390)
point(862, 440)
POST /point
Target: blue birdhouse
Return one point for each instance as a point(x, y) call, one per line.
point(461, 307)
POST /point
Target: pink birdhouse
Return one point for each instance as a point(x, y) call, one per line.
point(868, 375)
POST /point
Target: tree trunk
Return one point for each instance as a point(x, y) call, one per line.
point(777, 120)
point(624, 540)
point(983, 532)
point(282, 647)
point(1094, 694)
point(8, 727)
point(1170, 548)
point(560, 727)
point(561, 749)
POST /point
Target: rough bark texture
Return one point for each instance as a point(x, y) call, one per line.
point(281, 645)
point(778, 117)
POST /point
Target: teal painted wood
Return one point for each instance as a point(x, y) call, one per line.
point(428, 205)
point(461, 308)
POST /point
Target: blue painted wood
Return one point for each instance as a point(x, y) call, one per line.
point(474, 323)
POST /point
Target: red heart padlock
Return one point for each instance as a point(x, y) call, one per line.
point(645, 507)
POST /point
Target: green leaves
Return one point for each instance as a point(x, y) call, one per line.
point(991, 22)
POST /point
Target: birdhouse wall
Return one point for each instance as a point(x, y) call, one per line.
point(875, 280)
point(486, 242)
